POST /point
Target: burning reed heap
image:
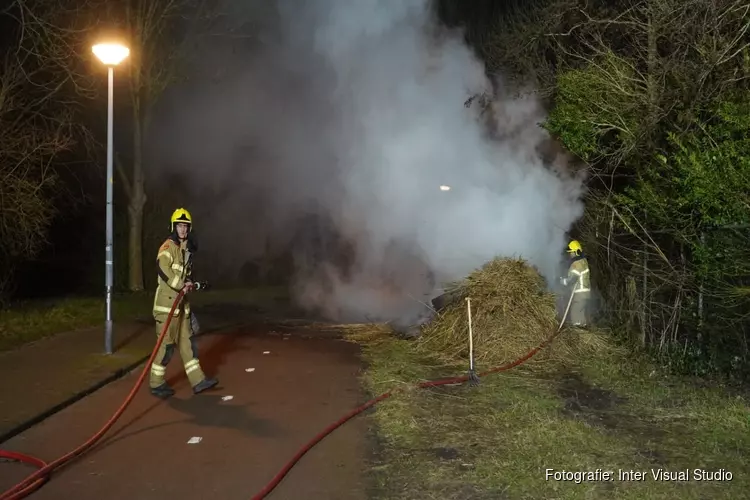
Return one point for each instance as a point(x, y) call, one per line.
point(512, 313)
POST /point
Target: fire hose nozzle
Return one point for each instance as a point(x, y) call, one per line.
point(200, 285)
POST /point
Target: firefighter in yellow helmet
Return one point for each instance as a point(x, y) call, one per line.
point(578, 277)
point(174, 266)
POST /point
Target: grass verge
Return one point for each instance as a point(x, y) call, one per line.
point(33, 320)
point(496, 441)
point(26, 322)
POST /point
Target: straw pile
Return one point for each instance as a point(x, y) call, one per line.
point(512, 312)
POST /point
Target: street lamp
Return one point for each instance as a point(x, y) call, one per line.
point(445, 188)
point(110, 54)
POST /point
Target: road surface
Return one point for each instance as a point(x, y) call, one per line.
point(295, 390)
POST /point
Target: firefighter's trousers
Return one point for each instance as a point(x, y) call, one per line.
point(179, 336)
point(579, 309)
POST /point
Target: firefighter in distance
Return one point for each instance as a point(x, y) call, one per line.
point(578, 277)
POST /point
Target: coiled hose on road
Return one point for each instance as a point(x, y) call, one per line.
point(41, 476)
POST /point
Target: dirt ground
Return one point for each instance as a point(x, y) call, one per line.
point(299, 385)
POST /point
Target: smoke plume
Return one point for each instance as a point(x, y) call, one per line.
point(331, 129)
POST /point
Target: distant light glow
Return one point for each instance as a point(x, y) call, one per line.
point(110, 54)
point(445, 188)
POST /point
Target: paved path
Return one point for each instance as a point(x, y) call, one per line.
point(43, 374)
point(296, 390)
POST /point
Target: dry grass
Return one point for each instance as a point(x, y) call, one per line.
point(495, 441)
point(592, 407)
point(512, 312)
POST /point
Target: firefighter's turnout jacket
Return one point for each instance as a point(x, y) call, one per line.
point(579, 271)
point(174, 269)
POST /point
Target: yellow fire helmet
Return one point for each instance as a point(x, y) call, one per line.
point(181, 215)
point(574, 248)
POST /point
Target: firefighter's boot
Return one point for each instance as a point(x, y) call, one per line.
point(163, 391)
point(204, 384)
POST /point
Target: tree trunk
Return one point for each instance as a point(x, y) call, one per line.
point(135, 247)
point(137, 200)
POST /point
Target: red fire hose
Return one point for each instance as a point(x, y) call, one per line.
point(37, 479)
point(430, 383)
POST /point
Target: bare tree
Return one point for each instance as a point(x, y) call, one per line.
point(644, 60)
point(161, 32)
point(648, 73)
point(630, 79)
point(38, 126)
point(158, 34)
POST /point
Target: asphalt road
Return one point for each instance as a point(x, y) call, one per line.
point(297, 389)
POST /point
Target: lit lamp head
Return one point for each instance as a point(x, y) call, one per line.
point(445, 188)
point(110, 54)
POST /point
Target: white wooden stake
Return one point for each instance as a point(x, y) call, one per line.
point(471, 335)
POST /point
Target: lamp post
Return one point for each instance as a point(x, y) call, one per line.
point(111, 54)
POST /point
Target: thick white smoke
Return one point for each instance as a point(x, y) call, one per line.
point(356, 111)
